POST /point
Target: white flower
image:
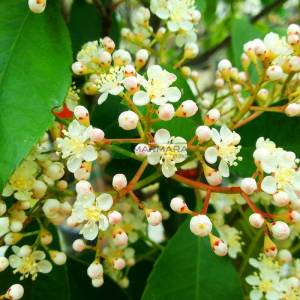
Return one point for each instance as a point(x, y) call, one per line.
point(276, 45)
point(168, 151)
point(158, 88)
point(29, 263)
point(88, 210)
point(75, 146)
point(226, 148)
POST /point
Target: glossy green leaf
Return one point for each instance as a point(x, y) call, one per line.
point(35, 59)
point(188, 269)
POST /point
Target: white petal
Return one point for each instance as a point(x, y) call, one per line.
point(4, 226)
point(296, 182)
point(153, 71)
point(140, 98)
point(3, 249)
point(168, 169)
point(89, 153)
point(102, 98)
point(186, 25)
point(268, 185)
point(38, 255)
point(104, 201)
point(223, 169)
point(226, 134)
point(116, 91)
point(215, 136)
point(256, 295)
point(153, 157)
point(90, 231)
point(172, 26)
point(162, 136)
point(252, 280)
point(14, 261)
point(103, 222)
point(211, 155)
point(74, 163)
point(173, 94)
point(44, 266)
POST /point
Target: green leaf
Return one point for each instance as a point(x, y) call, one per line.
point(85, 24)
point(35, 59)
point(184, 127)
point(188, 269)
point(242, 31)
point(279, 128)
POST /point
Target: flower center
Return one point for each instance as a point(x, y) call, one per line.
point(229, 153)
point(284, 177)
point(92, 213)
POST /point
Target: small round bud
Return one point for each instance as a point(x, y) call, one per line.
point(59, 258)
point(294, 63)
point(25, 250)
point(219, 83)
point(161, 32)
point(200, 225)
point(248, 185)
point(96, 135)
point(292, 109)
point(263, 94)
point(128, 120)
point(114, 217)
point(195, 16)
point(4, 263)
point(285, 256)
point(37, 6)
point(256, 220)
point(15, 292)
point(16, 226)
point(270, 249)
point(294, 216)
point(129, 71)
point(212, 116)
point(203, 133)
point(83, 187)
point(281, 199)
point(166, 112)
point(119, 263)
point(187, 109)
point(79, 245)
point(97, 282)
point(275, 73)
point(39, 189)
point(141, 57)
point(121, 57)
point(178, 205)
point(293, 29)
point(186, 71)
point(293, 39)
point(141, 150)
point(154, 217)
point(104, 58)
point(78, 68)
point(50, 207)
point(212, 176)
point(46, 237)
point(220, 248)
point(80, 112)
point(120, 238)
point(95, 270)
point(131, 84)
point(224, 65)
point(55, 170)
point(108, 44)
point(280, 230)
point(191, 50)
point(119, 182)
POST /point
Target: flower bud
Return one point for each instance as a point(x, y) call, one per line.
point(293, 29)
point(224, 65)
point(270, 249)
point(245, 61)
point(203, 133)
point(178, 205)
point(39, 189)
point(280, 230)
point(191, 50)
point(187, 109)
point(15, 292)
point(186, 71)
point(212, 176)
point(293, 39)
point(256, 220)
point(46, 237)
point(79, 245)
point(248, 185)
point(200, 225)
point(84, 172)
point(195, 16)
point(212, 116)
point(119, 182)
point(104, 58)
point(154, 217)
point(120, 238)
point(108, 44)
point(141, 150)
point(95, 270)
point(285, 256)
point(263, 95)
point(83, 187)
point(294, 216)
point(78, 68)
point(51, 207)
point(128, 120)
point(119, 263)
point(97, 135)
point(166, 112)
point(275, 73)
point(219, 83)
point(59, 258)
point(131, 84)
point(141, 57)
point(2, 207)
point(114, 217)
point(281, 199)
point(82, 115)
point(37, 6)
point(161, 32)
point(121, 57)
point(294, 63)
point(97, 282)
point(292, 109)
point(4, 263)
point(103, 157)
point(55, 171)
point(129, 71)
point(218, 246)
point(15, 226)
